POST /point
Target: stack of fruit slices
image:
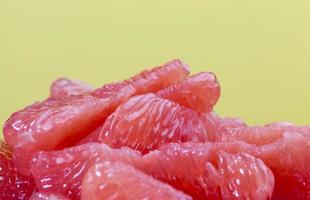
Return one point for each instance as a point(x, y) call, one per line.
point(153, 136)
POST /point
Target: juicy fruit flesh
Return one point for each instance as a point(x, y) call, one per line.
point(109, 90)
point(258, 135)
point(149, 80)
point(62, 171)
point(160, 77)
point(283, 147)
point(47, 196)
point(206, 172)
point(146, 122)
point(218, 128)
point(63, 88)
point(182, 166)
point(199, 92)
point(62, 121)
point(44, 126)
point(120, 181)
point(13, 185)
point(180, 110)
point(288, 159)
point(55, 124)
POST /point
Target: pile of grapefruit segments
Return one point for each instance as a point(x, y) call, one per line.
point(152, 136)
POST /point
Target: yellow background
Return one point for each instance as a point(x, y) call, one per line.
point(260, 50)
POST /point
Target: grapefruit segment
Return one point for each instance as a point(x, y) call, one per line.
point(149, 80)
point(287, 157)
point(205, 171)
point(199, 92)
point(120, 181)
point(146, 122)
point(47, 196)
point(212, 123)
point(109, 89)
point(62, 171)
point(13, 185)
point(282, 146)
point(218, 127)
point(236, 168)
point(257, 135)
point(55, 124)
point(171, 108)
point(233, 122)
point(63, 88)
point(290, 162)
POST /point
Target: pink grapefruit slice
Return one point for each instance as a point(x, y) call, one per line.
point(55, 124)
point(209, 171)
point(199, 92)
point(47, 196)
point(120, 181)
point(151, 80)
point(63, 88)
point(62, 171)
point(13, 185)
point(146, 122)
